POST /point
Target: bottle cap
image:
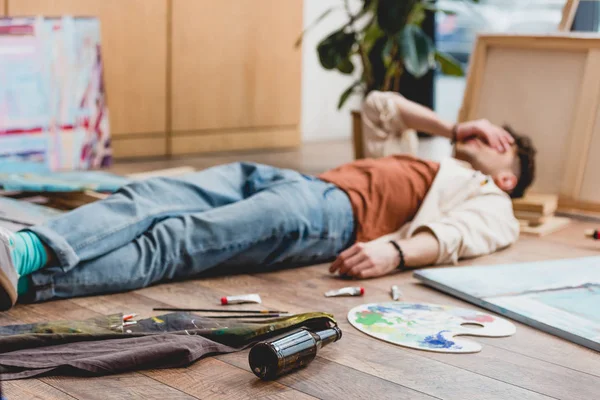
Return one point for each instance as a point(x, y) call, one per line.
point(223, 300)
point(362, 291)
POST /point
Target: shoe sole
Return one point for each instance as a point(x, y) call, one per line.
point(8, 292)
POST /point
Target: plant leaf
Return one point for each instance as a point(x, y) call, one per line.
point(372, 32)
point(418, 51)
point(449, 65)
point(312, 25)
point(345, 66)
point(417, 14)
point(335, 48)
point(347, 93)
point(393, 14)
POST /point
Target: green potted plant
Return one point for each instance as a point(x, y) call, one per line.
point(384, 38)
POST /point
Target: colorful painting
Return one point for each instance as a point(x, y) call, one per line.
point(53, 113)
point(428, 327)
point(561, 297)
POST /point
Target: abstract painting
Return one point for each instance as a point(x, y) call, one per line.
point(561, 297)
point(428, 327)
point(53, 113)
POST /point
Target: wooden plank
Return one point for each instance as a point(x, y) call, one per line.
point(237, 140)
point(187, 294)
point(589, 188)
point(32, 389)
point(119, 387)
point(3, 6)
point(48, 311)
point(568, 15)
point(236, 73)
point(572, 42)
point(123, 386)
point(134, 45)
point(215, 379)
point(326, 379)
point(468, 109)
point(580, 135)
point(573, 236)
point(139, 147)
point(395, 364)
point(494, 362)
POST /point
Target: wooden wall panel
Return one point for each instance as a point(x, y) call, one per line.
point(235, 66)
point(217, 141)
point(134, 40)
point(139, 147)
point(590, 188)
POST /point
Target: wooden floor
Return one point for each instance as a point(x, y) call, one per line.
point(528, 365)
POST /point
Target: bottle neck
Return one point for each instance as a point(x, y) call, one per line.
point(329, 336)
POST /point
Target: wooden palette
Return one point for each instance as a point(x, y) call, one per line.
point(429, 327)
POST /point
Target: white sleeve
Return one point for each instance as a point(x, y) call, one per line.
point(381, 120)
point(480, 226)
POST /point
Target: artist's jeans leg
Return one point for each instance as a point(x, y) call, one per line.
point(99, 228)
point(299, 221)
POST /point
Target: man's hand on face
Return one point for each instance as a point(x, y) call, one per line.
point(483, 129)
point(367, 260)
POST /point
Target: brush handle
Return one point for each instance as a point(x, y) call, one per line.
point(220, 310)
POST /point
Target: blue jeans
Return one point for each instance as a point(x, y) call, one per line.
point(239, 216)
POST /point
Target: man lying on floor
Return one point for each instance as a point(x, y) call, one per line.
point(375, 215)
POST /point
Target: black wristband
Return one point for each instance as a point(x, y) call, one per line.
point(454, 133)
point(402, 264)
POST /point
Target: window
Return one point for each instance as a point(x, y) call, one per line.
point(456, 35)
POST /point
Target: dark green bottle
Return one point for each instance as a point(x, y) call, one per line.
point(271, 359)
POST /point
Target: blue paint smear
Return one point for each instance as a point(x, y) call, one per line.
point(438, 341)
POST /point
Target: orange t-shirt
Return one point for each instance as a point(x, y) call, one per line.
point(385, 193)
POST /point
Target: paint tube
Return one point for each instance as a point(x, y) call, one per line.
point(396, 293)
point(347, 291)
point(243, 298)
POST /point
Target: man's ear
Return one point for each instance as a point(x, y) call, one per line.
point(505, 180)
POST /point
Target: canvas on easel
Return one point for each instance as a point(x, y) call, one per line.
point(547, 87)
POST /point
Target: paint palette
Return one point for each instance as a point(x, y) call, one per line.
point(428, 327)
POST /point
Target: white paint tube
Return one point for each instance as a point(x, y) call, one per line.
point(396, 293)
point(347, 291)
point(240, 299)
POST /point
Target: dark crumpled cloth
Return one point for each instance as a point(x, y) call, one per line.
point(101, 345)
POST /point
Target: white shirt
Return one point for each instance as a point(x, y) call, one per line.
point(467, 213)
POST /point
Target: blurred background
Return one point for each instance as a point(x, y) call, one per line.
point(187, 78)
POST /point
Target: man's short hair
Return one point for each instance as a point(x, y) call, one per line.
point(525, 153)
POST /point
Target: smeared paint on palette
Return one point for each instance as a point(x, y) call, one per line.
point(428, 327)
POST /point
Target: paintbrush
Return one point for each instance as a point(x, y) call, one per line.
point(243, 316)
point(220, 310)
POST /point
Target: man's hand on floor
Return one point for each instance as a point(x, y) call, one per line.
point(493, 135)
point(366, 260)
